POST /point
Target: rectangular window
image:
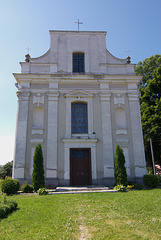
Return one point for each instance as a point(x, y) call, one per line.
point(78, 62)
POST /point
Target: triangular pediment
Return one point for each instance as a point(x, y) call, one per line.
point(79, 93)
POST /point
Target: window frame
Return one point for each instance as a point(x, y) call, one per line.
point(78, 62)
point(78, 109)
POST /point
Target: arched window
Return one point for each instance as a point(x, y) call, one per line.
point(78, 63)
point(79, 118)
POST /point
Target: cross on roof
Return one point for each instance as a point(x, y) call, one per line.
point(28, 49)
point(78, 23)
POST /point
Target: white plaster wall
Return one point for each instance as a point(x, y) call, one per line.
point(58, 59)
point(105, 90)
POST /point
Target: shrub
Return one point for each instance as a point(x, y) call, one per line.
point(10, 186)
point(150, 181)
point(120, 170)
point(159, 179)
point(139, 186)
point(43, 191)
point(6, 170)
point(26, 188)
point(38, 169)
point(120, 188)
point(7, 207)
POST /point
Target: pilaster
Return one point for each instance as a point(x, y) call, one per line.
point(137, 136)
point(108, 157)
point(51, 164)
point(21, 135)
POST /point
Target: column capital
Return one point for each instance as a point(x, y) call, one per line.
point(105, 96)
point(53, 96)
point(23, 96)
point(133, 97)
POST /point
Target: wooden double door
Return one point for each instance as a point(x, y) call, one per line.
point(80, 167)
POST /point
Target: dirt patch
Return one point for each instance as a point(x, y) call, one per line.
point(84, 233)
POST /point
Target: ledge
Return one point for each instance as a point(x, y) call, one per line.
point(78, 140)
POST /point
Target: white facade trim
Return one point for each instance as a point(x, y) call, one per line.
point(79, 143)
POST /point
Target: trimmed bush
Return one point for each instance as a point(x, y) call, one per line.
point(7, 207)
point(38, 180)
point(119, 165)
point(26, 188)
point(10, 186)
point(139, 186)
point(43, 191)
point(151, 181)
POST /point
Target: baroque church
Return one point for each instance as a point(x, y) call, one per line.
point(78, 101)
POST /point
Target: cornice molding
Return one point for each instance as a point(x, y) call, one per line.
point(76, 78)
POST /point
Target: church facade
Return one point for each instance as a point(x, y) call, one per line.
point(78, 101)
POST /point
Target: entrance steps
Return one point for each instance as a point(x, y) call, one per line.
point(86, 189)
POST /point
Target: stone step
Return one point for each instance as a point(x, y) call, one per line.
point(82, 189)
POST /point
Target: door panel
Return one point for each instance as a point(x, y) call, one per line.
point(80, 167)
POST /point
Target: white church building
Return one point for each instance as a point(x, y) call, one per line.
point(78, 101)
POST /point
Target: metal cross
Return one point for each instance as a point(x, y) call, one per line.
point(78, 23)
point(28, 49)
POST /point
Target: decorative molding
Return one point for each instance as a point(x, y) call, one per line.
point(79, 94)
point(121, 131)
point(133, 97)
point(23, 96)
point(53, 96)
point(122, 140)
point(119, 99)
point(36, 140)
point(105, 96)
point(37, 131)
point(38, 99)
point(65, 140)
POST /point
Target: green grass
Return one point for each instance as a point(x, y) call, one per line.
point(131, 215)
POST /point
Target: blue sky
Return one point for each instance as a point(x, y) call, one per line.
point(133, 28)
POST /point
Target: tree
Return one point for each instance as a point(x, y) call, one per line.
point(38, 169)
point(119, 165)
point(6, 170)
point(150, 103)
point(147, 69)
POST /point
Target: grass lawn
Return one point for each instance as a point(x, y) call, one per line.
point(131, 215)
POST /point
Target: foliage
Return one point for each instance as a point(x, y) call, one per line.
point(120, 170)
point(6, 170)
point(159, 179)
point(139, 186)
point(149, 170)
point(120, 188)
point(7, 207)
point(150, 100)
point(38, 169)
point(150, 181)
point(10, 186)
point(130, 186)
point(134, 215)
point(147, 68)
point(43, 191)
point(26, 188)
point(151, 106)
